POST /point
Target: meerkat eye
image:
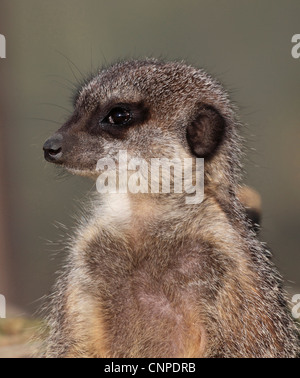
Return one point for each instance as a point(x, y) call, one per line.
point(118, 116)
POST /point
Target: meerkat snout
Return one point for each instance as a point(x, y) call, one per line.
point(53, 151)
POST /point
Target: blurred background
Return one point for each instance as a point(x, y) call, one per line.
point(52, 45)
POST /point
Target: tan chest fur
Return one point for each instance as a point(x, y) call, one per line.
point(157, 324)
point(141, 306)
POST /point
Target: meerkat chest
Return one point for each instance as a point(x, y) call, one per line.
point(152, 315)
point(144, 307)
point(143, 296)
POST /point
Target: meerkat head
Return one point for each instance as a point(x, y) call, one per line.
point(151, 109)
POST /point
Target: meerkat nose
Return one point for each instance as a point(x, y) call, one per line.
point(53, 149)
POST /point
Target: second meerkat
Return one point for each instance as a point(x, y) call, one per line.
point(148, 275)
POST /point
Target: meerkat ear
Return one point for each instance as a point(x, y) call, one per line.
point(205, 132)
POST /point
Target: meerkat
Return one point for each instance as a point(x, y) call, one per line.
point(148, 275)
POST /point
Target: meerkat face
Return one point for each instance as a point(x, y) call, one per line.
point(148, 108)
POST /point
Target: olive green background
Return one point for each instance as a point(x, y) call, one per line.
point(51, 44)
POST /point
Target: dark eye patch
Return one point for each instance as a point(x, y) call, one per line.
point(116, 119)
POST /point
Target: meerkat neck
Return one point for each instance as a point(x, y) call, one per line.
point(137, 218)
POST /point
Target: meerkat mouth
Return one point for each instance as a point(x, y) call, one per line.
point(82, 172)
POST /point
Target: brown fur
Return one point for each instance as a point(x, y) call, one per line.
point(148, 275)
